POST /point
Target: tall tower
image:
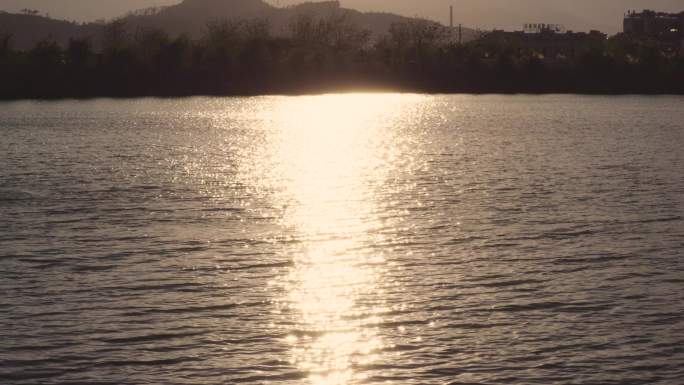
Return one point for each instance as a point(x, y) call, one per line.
point(451, 16)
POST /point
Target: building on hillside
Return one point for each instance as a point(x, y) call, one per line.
point(667, 29)
point(657, 25)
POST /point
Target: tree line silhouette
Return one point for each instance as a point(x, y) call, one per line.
point(325, 54)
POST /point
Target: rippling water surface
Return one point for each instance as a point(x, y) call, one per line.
point(343, 239)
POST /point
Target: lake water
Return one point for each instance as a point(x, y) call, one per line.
point(343, 239)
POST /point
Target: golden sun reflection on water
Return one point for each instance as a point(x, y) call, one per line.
point(332, 151)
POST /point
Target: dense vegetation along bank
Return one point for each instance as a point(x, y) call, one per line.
point(326, 54)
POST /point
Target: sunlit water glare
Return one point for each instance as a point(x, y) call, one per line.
point(332, 153)
point(343, 240)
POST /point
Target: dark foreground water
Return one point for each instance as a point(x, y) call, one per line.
point(343, 239)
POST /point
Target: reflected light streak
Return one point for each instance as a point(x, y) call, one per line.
point(331, 152)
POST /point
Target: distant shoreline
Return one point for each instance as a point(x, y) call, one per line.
point(240, 58)
point(350, 89)
point(320, 93)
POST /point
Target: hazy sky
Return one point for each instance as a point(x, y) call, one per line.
point(605, 15)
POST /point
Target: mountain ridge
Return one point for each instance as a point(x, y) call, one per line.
point(190, 17)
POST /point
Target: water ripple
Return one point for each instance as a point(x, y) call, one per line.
point(343, 239)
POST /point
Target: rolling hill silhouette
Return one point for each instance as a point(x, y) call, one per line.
point(27, 30)
point(191, 17)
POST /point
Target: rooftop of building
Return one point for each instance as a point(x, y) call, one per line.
point(652, 13)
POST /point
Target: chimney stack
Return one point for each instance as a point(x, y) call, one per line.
point(451, 16)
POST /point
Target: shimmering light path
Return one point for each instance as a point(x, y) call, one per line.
point(356, 239)
point(332, 154)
